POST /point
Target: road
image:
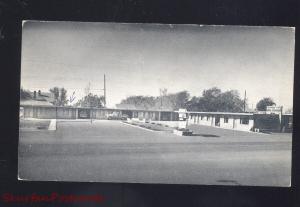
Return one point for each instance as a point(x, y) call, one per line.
point(111, 151)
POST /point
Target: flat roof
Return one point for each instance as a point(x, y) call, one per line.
point(111, 109)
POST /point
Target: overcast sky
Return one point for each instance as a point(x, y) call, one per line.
point(139, 59)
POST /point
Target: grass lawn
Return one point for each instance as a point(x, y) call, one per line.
point(34, 124)
point(151, 126)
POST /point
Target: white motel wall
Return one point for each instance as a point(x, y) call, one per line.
point(235, 121)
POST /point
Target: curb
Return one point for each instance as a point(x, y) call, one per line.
point(140, 127)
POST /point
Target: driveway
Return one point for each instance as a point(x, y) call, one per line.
point(110, 151)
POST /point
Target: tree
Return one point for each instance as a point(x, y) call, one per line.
point(87, 89)
point(209, 100)
point(213, 100)
point(63, 97)
point(55, 92)
point(179, 100)
point(145, 102)
point(91, 100)
point(24, 94)
point(192, 104)
point(230, 101)
point(60, 96)
point(165, 101)
point(263, 103)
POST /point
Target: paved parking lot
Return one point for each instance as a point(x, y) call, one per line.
point(110, 151)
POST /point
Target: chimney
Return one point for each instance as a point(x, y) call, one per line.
point(39, 92)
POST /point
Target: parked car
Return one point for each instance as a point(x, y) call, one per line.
point(124, 117)
point(114, 116)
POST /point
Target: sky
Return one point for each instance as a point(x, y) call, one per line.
point(139, 59)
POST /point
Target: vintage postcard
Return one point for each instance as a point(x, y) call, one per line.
point(156, 103)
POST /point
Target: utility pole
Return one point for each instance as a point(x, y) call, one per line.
point(245, 102)
point(160, 94)
point(104, 88)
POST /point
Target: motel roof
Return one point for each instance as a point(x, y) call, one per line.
point(110, 109)
point(120, 109)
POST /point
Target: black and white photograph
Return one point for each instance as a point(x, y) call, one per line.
point(156, 103)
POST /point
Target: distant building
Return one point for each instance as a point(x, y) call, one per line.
point(39, 99)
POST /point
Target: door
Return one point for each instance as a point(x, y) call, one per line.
point(217, 121)
point(84, 113)
point(35, 112)
point(128, 113)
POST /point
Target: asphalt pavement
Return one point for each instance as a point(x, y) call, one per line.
point(110, 151)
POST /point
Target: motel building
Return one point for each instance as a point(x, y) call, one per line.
point(235, 121)
point(272, 120)
point(68, 112)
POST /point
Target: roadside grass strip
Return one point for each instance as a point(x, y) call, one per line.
point(37, 124)
point(149, 127)
point(34, 124)
point(137, 126)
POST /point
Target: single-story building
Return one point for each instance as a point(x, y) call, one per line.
point(268, 122)
point(226, 120)
point(237, 121)
point(69, 112)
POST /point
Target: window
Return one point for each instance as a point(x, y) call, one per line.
point(225, 119)
point(244, 120)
